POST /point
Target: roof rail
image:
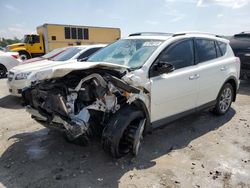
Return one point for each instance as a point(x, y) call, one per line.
point(195, 32)
point(150, 34)
point(245, 32)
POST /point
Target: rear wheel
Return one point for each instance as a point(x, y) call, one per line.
point(224, 99)
point(124, 132)
point(3, 71)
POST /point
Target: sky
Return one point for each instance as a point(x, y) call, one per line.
point(224, 17)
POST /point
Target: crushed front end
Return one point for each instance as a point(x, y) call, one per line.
point(82, 102)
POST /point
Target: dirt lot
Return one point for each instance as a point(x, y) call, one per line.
point(201, 150)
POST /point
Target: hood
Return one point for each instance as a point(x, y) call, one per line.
point(33, 60)
point(44, 64)
point(15, 45)
point(64, 69)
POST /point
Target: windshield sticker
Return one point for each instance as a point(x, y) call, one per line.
point(152, 43)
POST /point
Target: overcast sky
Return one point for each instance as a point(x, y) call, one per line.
point(227, 17)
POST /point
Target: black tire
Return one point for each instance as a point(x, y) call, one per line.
point(24, 55)
point(224, 100)
point(3, 71)
point(118, 135)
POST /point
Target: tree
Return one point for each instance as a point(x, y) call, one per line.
point(5, 42)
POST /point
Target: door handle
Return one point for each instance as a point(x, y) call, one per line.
point(223, 68)
point(194, 77)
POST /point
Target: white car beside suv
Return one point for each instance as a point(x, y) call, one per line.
point(21, 76)
point(135, 84)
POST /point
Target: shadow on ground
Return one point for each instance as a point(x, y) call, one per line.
point(45, 159)
point(10, 102)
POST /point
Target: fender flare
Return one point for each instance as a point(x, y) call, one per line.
point(140, 105)
point(20, 49)
point(234, 82)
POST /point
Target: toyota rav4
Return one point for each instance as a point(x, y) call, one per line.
point(134, 85)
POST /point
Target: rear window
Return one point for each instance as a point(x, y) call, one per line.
point(67, 54)
point(53, 53)
point(88, 53)
point(242, 36)
point(205, 50)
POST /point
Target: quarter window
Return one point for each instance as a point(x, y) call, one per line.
point(223, 47)
point(179, 55)
point(205, 50)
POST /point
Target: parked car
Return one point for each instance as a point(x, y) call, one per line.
point(22, 76)
point(134, 85)
point(8, 60)
point(240, 44)
point(47, 56)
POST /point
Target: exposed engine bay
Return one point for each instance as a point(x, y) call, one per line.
point(82, 102)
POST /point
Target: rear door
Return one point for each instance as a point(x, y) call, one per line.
point(212, 69)
point(174, 92)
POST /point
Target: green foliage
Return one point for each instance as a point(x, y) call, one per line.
point(5, 42)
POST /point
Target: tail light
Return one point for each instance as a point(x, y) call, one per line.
point(15, 56)
point(237, 60)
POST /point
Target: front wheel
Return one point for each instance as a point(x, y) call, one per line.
point(224, 99)
point(24, 55)
point(124, 132)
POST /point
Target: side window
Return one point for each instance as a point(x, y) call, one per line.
point(179, 55)
point(35, 39)
point(205, 50)
point(67, 32)
point(88, 53)
point(79, 33)
point(223, 47)
point(73, 32)
point(86, 34)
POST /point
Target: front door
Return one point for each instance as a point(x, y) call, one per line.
point(175, 92)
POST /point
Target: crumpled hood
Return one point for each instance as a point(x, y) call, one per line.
point(64, 69)
point(44, 64)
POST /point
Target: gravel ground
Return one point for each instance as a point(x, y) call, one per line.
point(201, 150)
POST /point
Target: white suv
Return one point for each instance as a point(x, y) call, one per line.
point(135, 84)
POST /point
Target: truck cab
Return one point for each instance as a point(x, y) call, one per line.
point(32, 45)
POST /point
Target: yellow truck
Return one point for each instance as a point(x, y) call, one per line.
point(52, 36)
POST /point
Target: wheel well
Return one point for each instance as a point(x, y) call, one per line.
point(234, 85)
point(23, 51)
point(1, 65)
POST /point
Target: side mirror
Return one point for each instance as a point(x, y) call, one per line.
point(164, 67)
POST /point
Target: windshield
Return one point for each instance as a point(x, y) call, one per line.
point(53, 53)
point(67, 54)
point(25, 39)
point(129, 52)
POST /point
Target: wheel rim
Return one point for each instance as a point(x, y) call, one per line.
point(2, 73)
point(139, 137)
point(23, 57)
point(225, 99)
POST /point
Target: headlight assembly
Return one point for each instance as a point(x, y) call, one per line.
point(22, 76)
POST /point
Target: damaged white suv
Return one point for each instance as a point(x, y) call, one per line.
point(135, 84)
